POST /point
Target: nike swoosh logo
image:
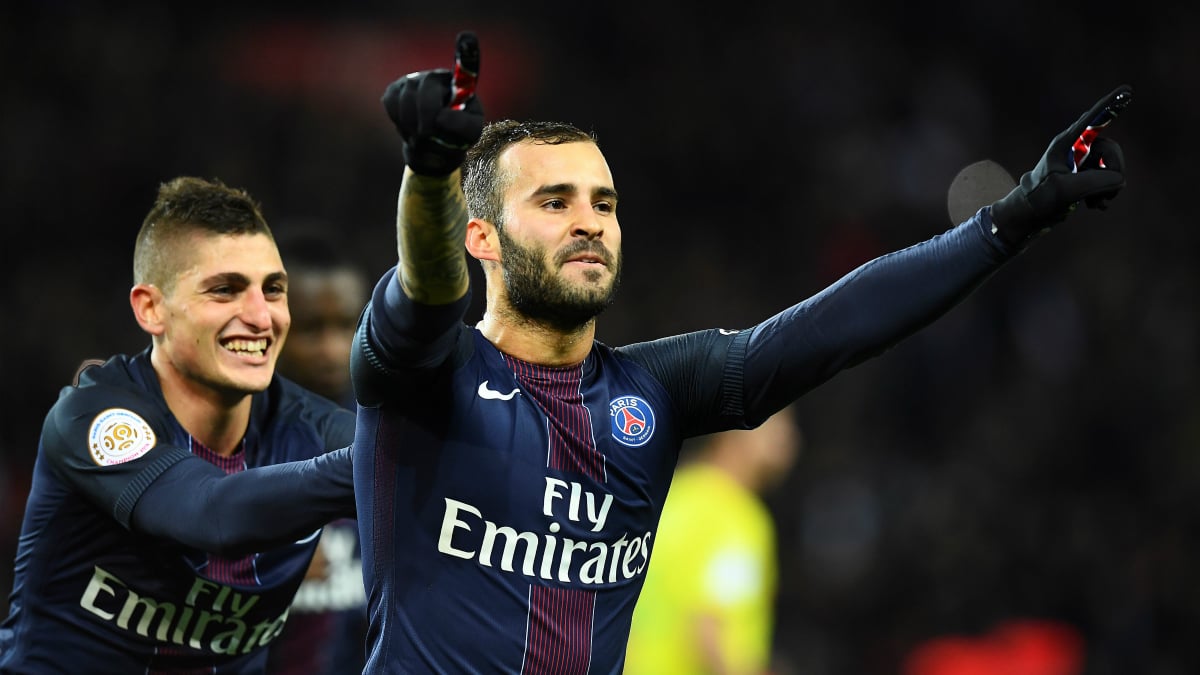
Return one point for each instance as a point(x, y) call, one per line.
point(726, 331)
point(494, 395)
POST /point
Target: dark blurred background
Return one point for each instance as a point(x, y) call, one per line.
point(1031, 455)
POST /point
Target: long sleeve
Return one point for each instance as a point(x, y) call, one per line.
point(865, 313)
point(198, 505)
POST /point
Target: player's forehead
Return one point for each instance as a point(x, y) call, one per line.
point(529, 166)
point(203, 255)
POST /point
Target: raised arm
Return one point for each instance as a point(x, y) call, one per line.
point(438, 117)
point(416, 310)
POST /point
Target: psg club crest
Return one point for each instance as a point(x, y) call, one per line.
point(632, 420)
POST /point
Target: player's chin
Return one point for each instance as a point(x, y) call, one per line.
point(250, 378)
point(249, 385)
point(589, 276)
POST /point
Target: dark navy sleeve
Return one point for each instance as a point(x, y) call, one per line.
point(865, 313)
point(198, 505)
point(397, 337)
point(108, 443)
point(723, 379)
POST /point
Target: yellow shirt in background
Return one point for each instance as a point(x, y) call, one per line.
point(714, 554)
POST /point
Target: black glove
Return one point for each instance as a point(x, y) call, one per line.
point(1054, 187)
point(436, 134)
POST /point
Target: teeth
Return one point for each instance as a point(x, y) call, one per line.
point(252, 346)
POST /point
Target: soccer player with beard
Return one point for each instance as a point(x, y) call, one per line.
point(178, 493)
point(511, 530)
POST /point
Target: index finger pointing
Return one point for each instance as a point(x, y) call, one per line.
point(466, 52)
point(1104, 111)
point(466, 69)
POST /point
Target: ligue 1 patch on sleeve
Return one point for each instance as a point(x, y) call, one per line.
point(118, 435)
point(632, 420)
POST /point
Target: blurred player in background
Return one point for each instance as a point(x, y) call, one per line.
point(327, 291)
point(178, 493)
point(708, 602)
point(326, 630)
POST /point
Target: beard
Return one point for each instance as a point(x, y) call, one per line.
point(538, 294)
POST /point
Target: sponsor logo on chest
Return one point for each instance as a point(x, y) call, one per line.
point(212, 617)
point(468, 534)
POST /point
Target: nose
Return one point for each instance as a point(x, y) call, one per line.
point(256, 310)
point(589, 226)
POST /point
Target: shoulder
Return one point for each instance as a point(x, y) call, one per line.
point(113, 383)
point(106, 403)
point(289, 405)
point(117, 370)
point(291, 399)
point(695, 345)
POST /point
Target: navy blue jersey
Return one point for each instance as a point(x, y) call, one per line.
point(507, 510)
point(93, 594)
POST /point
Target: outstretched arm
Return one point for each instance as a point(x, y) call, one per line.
point(198, 505)
point(750, 375)
point(723, 379)
point(889, 298)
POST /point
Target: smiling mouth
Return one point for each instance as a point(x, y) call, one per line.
point(246, 347)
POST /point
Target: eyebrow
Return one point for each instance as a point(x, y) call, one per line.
point(571, 189)
point(239, 279)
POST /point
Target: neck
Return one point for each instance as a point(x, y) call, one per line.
point(215, 419)
point(536, 342)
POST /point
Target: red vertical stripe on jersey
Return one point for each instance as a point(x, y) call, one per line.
point(228, 570)
point(559, 639)
point(557, 392)
point(223, 570)
point(560, 631)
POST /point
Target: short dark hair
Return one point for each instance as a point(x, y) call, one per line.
point(483, 187)
point(185, 205)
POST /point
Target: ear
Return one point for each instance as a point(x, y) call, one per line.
point(482, 241)
point(147, 303)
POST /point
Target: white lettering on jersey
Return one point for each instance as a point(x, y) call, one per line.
point(218, 610)
point(552, 493)
point(466, 534)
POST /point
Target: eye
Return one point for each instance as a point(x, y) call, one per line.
point(605, 207)
point(223, 290)
point(275, 291)
point(554, 204)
